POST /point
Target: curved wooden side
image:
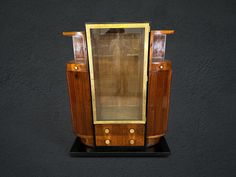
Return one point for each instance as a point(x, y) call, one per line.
point(152, 140)
point(80, 101)
point(158, 100)
point(87, 140)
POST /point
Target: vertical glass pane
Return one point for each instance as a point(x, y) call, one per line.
point(79, 47)
point(118, 61)
point(159, 45)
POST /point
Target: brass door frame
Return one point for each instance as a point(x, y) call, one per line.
point(146, 27)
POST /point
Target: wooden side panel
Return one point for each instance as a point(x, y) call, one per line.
point(119, 134)
point(150, 50)
point(80, 101)
point(158, 100)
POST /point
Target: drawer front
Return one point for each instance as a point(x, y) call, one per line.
point(119, 134)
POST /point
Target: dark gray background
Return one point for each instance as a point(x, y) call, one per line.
point(35, 127)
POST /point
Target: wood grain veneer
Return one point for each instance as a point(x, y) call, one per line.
point(80, 101)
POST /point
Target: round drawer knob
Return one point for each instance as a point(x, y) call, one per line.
point(76, 67)
point(131, 141)
point(131, 130)
point(106, 130)
point(107, 141)
point(161, 66)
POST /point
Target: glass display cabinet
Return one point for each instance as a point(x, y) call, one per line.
point(119, 85)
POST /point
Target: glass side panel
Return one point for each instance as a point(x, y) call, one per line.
point(79, 47)
point(118, 61)
point(159, 46)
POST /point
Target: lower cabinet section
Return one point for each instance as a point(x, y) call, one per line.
point(119, 134)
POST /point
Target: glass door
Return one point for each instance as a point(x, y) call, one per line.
point(118, 55)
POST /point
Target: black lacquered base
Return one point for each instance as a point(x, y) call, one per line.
point(161, 149)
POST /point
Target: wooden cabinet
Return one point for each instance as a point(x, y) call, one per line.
point(119, 93)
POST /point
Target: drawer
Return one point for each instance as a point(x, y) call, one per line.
point(119, 134)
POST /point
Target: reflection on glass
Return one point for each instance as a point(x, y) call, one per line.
point(159, 44)
point(79, 46)
point(118, 60)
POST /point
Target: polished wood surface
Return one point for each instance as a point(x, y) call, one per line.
point(150, 50)
point(119, 134)
point(71, 33)
point(76, 67)
point(164, 31)
point(80, 101)
point(158, 100)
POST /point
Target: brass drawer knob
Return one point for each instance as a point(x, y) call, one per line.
point(131, 130)
point(131, 141)
point(106, 130)
point(107, 141)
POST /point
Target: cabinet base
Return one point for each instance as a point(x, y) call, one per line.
point(161, 149)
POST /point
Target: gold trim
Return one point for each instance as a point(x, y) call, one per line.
point(145, 78)
point(118, 25)
point(88, 37)
point(146, 27)
point(119, 121)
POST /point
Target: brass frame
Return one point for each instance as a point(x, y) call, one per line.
point(146, 27)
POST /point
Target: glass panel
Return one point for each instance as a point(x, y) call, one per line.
point(159, 45)
point(118, 60)
point(79, 47)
